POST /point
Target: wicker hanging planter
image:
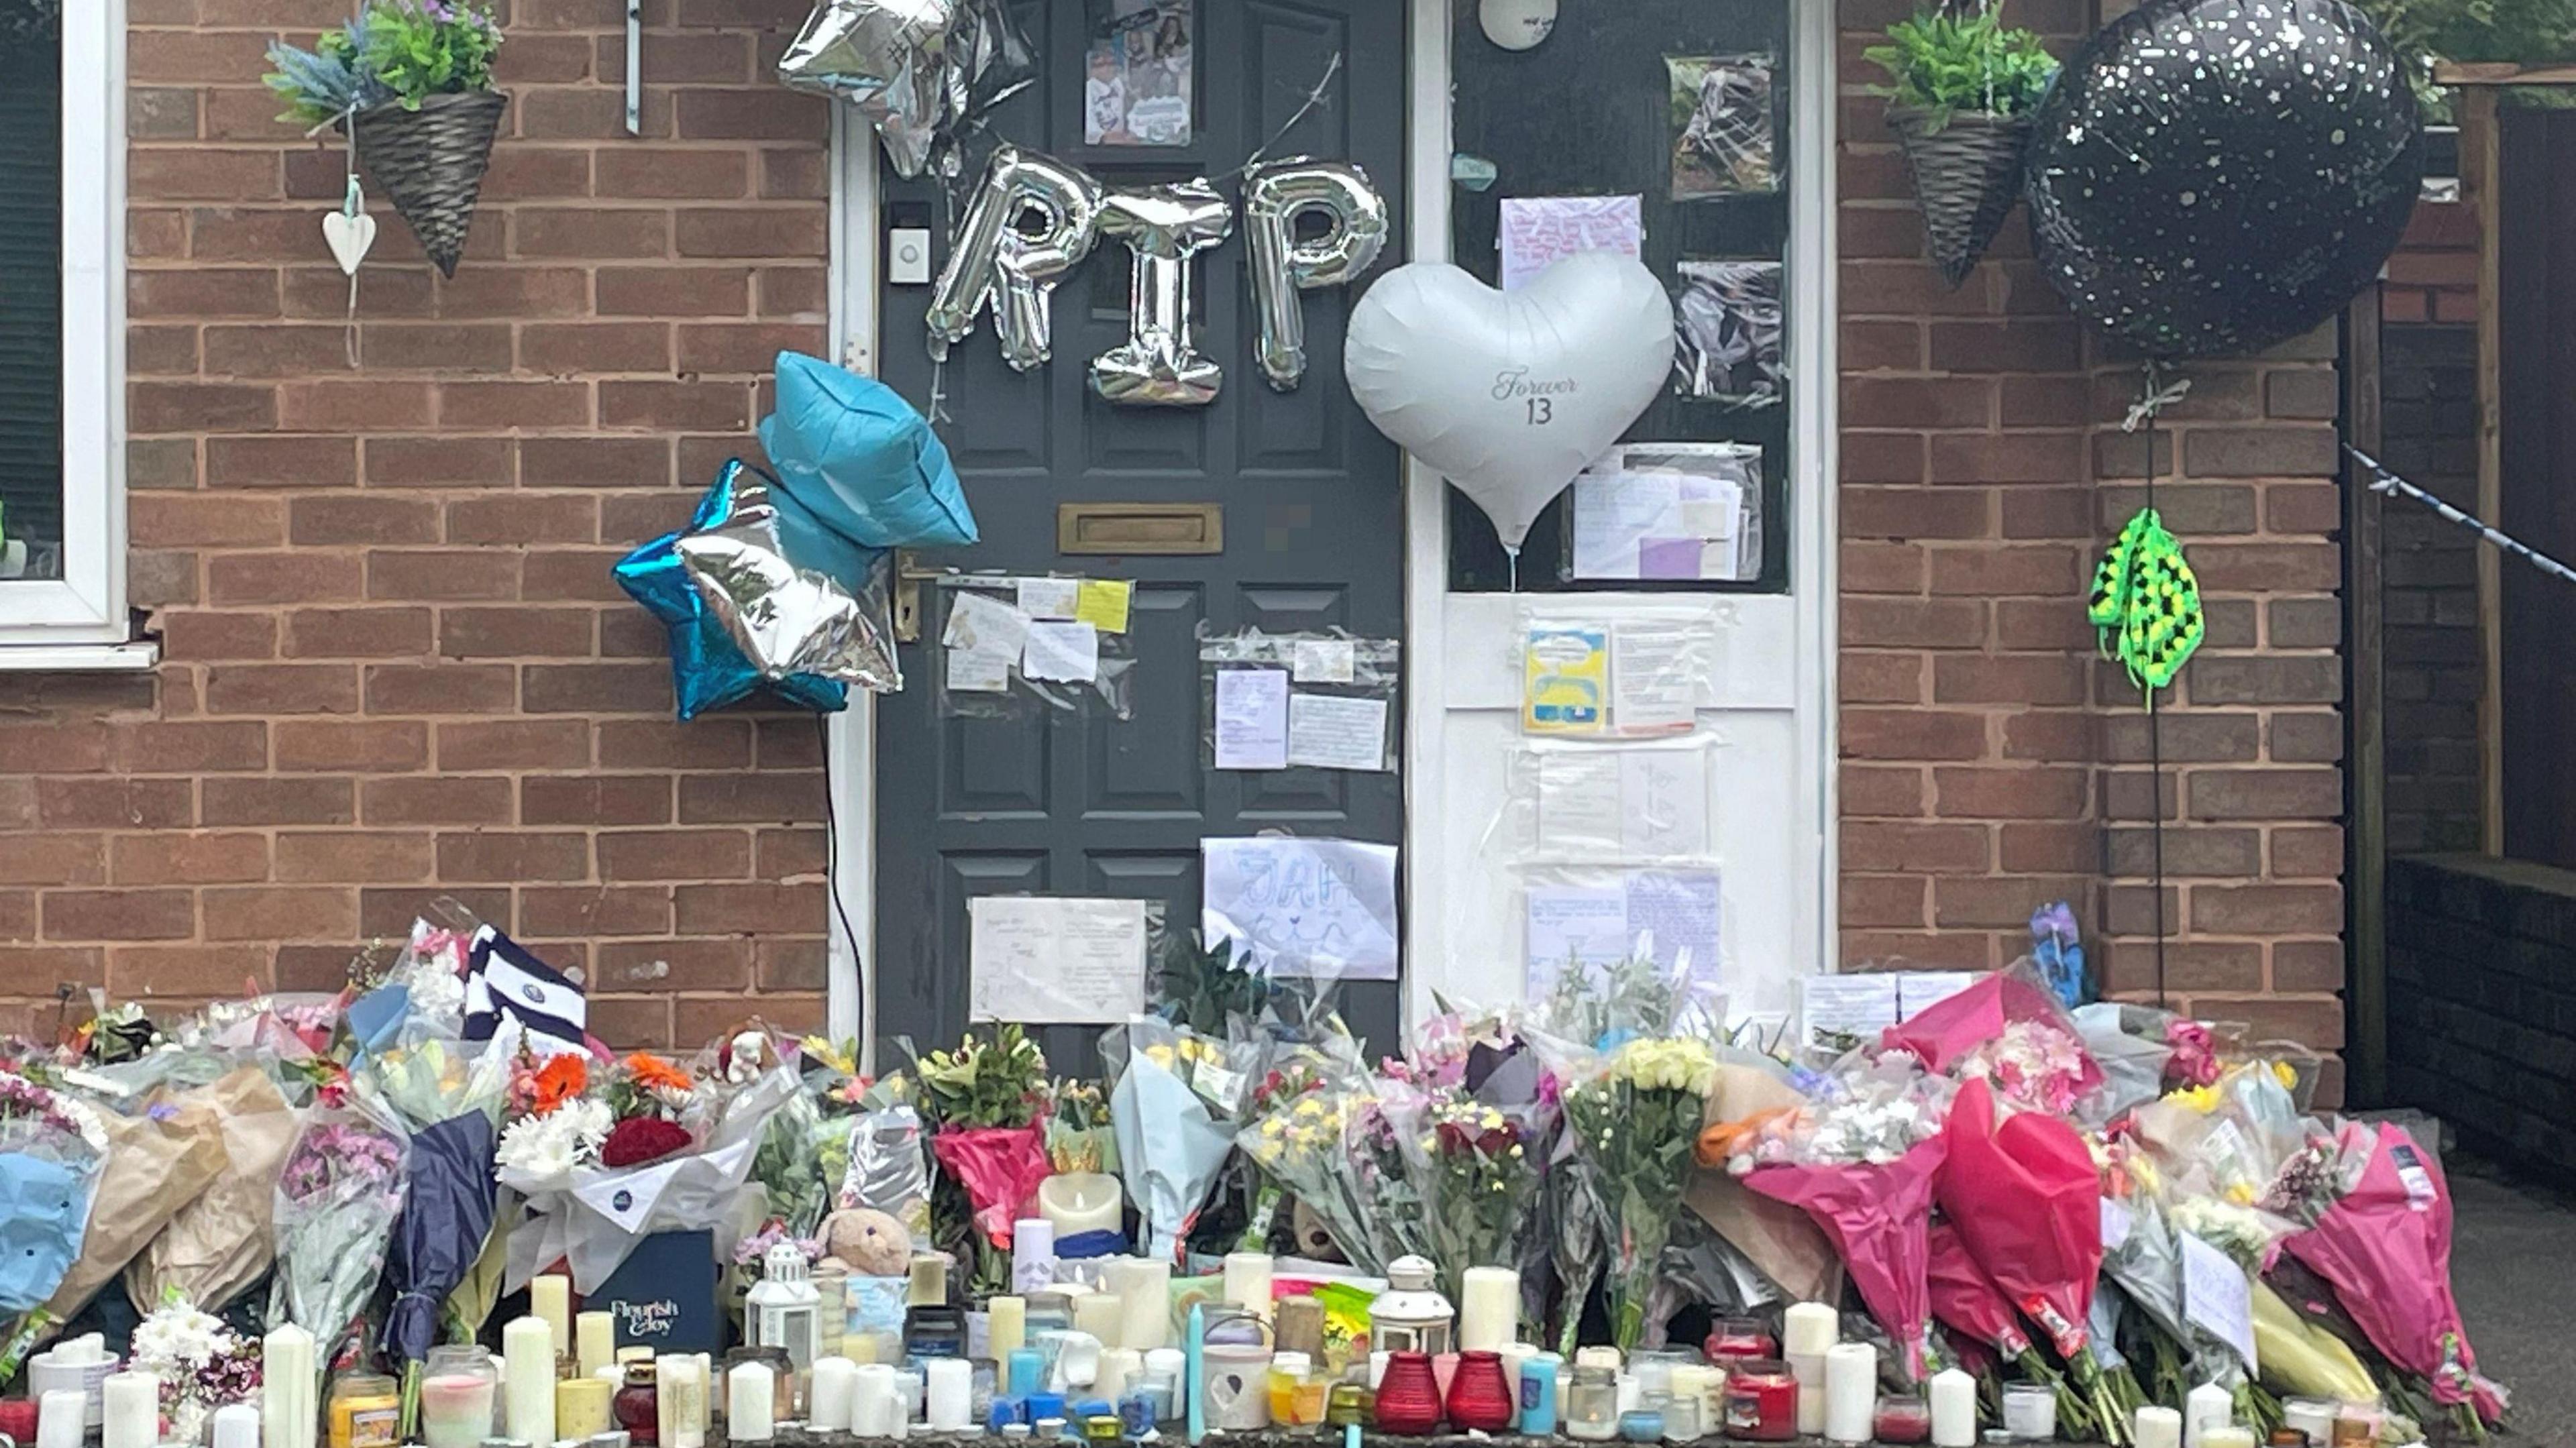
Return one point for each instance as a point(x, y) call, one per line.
point(1967, 175)
point(430, 163)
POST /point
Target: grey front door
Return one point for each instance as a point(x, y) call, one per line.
point(1055, 802)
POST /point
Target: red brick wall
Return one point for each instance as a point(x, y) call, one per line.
point(395, 663)
point(1991, 762)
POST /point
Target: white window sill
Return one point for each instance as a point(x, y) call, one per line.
point(78, 658)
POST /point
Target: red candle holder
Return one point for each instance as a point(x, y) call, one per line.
point(1732, 1338)
point(1761, 1401)
point(1408, 1397)
point(1479, 1396)
point(18, 1419)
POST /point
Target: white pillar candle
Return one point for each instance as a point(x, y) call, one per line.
point(873, 1413)
point(1081, 1201)
point(130, 1415)
point(948, 1394)
point(706, 1403)
point(2158, 1427)
point(1489, 1309)
point(908, 1399)
point(829, 1399)
point(2312, 1416)
point(594, 1336)
point(1851, 1391)
point(62, 1418)
point(1032, 1254)
point(679, 1400)
point(1006, 1327)
point(528, 1380)
point(1247, 1282)
point(1807, 1332)
point(1099, 1314)
point(1954, 1409)
point(1144, 1291)
point(2227, 1435)
point(1602, 1355)
point(1118, 1367)
point(237, 1426)
point(2203, 1408)
point(550, 1298)
point(751, 1391)
point(288, 1416)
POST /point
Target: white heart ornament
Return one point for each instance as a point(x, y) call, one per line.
point(1510, 394)
point(350, 238)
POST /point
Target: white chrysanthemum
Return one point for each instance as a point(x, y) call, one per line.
point(553, 1144)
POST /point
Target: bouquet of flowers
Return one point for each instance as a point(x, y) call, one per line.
point(1474, 1172)
point(1877, 1215)
point(165, 1147)
point(201, 1364)
point(337, 1198)
point(216, 1246)
point(986, 1103)
point(1173, 1112)
point(1079, 1135)
point(1302, 1140)
point(1632, 1122)
point(787, 1164)
point(447, 1095)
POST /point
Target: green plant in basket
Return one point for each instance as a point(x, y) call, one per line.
point(398, 51)
point(1945, 64)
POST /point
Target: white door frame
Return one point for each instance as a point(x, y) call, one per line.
point(1812, 319)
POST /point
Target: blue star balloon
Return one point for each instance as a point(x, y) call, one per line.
point(707, 670)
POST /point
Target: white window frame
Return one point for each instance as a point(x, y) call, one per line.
point(79, 620)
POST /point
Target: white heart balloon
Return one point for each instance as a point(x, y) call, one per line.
point(349, 237)
point(1510, 394)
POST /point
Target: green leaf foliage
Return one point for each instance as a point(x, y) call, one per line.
point(1946, 63)
point(403, 51)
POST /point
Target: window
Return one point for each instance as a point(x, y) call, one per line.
point(62, 245)
point(1686, 105)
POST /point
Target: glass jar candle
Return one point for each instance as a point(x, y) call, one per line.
point(1733, 1338)
point(1653, 1367)
point(366, 1411)
point(1592, 1404)
point(1296, 1392)
point(1761, 1401)
point(1684, 1417)
point(638, 1407)
point(2030, 1412)
point(1642, 1425)
point(456, 1391)
point(1902, 1418)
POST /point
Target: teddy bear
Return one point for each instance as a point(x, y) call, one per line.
point(868, 1242)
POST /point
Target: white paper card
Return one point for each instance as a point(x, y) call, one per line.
point(1327, 731)
point(1663, 801)
point(1665, 523)
point(1579, 803)
point(1323, 661)
point(1069, 652)
point(1539, 231)
point(1831, 1007)
point(1655, 674)
point(1303, 907)
point(1673, 912)
point(1918, 991)
point(984, 637)
point(1050, 597)
point(1051, 960)
point(1251, 719)
point(2217, 1296)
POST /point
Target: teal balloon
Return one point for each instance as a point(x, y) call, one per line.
point(857, 456)
point(707, 670)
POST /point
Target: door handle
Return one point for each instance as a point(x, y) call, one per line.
point(909, 575)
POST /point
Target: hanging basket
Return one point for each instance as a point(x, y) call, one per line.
point(430, 163)
point(1967, 175)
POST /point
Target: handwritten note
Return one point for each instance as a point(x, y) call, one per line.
point(1540, 231)
point(1326, 731)
point(1103, 603)
point(1834, 1011)
point(1672, 914)
point(1069, 652)
point(1050, 597)
point(1637, 803)
point(1252, 719)
point(1324, 661)
point(2217, 1296)
point(984, 638)
point(1302, 907)
point(1051, 960)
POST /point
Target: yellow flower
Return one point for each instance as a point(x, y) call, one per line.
point(2286, 1074)
point(2203, 1099)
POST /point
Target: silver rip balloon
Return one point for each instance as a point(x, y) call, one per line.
point(997, 261)
point(1275, 195)
point(787, 619)
point(1159, 365)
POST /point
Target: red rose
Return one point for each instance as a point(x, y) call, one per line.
point(641, 1139)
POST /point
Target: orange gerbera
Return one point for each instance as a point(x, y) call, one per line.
point(651, 1073)
point(558, 1081)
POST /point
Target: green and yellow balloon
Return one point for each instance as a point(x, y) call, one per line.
point(2146, 604)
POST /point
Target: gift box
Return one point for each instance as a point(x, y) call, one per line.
point(663, 1296)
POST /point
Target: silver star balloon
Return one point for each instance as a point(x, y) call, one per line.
point(890, 58)
point(787, 619)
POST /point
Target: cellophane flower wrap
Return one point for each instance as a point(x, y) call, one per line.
point(217, 1245)
point(447, 1095)
point(2385, 1245)
point(787, 1165)
point(201, 1363)
point(1475, 1171)
point(337, 1200)
point(52, 1149)
point(165, 1148)
point(1878, 1215)
point(986, 1104)
point(1632, 1121)
point(1175, 1111)
point(1302, 1139)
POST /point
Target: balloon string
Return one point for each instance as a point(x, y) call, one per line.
point(1512, 558)
point(2153, 396)
point(1314, 98)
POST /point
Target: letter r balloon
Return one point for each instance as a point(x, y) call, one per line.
point(1275, 196)
point(995, 260)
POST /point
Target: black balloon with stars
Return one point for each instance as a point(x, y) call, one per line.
point(2213, 176)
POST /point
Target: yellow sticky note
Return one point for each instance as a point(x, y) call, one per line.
point(1103, 603)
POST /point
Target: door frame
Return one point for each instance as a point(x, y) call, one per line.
point(1812, 319)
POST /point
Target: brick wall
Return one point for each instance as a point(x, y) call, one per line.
point(1991, 763)
point(395, 664)
point(2429, 571)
